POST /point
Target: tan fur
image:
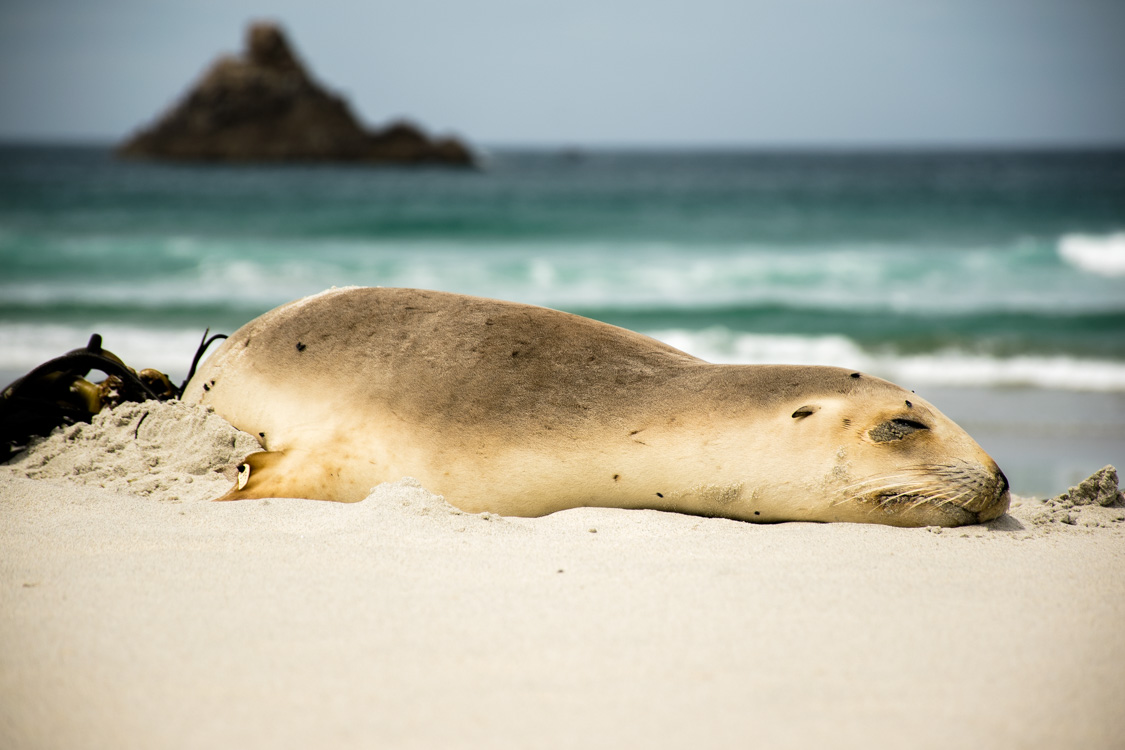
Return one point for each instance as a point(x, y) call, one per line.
point(521, 410)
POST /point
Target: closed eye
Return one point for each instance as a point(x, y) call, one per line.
point(895, 429)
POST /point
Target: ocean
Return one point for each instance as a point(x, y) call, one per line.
point(993, 283)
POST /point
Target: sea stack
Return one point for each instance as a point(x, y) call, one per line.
point(265, 107)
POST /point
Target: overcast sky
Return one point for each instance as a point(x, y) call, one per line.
point(603, 72)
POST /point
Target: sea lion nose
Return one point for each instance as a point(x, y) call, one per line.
point(1004, 486)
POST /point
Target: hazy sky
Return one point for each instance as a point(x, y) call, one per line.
point(646, 72)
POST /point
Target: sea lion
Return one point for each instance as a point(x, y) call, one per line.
point(521, 410)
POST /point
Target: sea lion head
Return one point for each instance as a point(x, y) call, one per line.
point(895, 459)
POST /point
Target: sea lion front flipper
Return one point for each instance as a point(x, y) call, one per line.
point(279, 474)
point(254, 477)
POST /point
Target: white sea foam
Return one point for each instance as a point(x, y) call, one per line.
point(961, 369)
point(721, 346)
point(1103, 255)
point(947, 367)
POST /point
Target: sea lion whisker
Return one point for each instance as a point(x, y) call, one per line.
point(956, 499)
point(926, 494)
point(907, 472)
point(872, 491)
point(937, 493)
point(937, 499)
point(895, 486)
point(879, 478)
point(949, 497)
point(885, 501)
point(896, 490)
point(909, 492)
point(910, 472)
point(952, 501)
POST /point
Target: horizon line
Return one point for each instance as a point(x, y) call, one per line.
point(579, 147)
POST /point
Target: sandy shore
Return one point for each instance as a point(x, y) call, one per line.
point(134, 613)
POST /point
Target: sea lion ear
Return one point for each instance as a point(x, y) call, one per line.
point(805, 411)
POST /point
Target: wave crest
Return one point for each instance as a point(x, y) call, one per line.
point(1103, 255)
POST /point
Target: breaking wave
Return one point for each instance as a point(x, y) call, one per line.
point(1102, 255)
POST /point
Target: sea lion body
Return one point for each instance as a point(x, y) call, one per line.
point(521, 410)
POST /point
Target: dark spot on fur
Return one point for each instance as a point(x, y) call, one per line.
point(847, 422)
point(488, 322)
point(855, 374)
point(634, 432)
point(300, 347)
point(616, 477)
point(516, 353)
point(909, 405)
point(261, 434)
point(805, 411)
point(206, 386)
point(660, 494)
point(757, 512)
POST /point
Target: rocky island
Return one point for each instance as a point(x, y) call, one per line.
point(264, 107)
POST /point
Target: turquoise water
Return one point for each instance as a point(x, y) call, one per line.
point(971, 270)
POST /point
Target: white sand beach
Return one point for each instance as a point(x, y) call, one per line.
point(135, 613)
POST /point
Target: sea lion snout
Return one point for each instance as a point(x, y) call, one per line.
point(982, 490)
point(997, 505)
